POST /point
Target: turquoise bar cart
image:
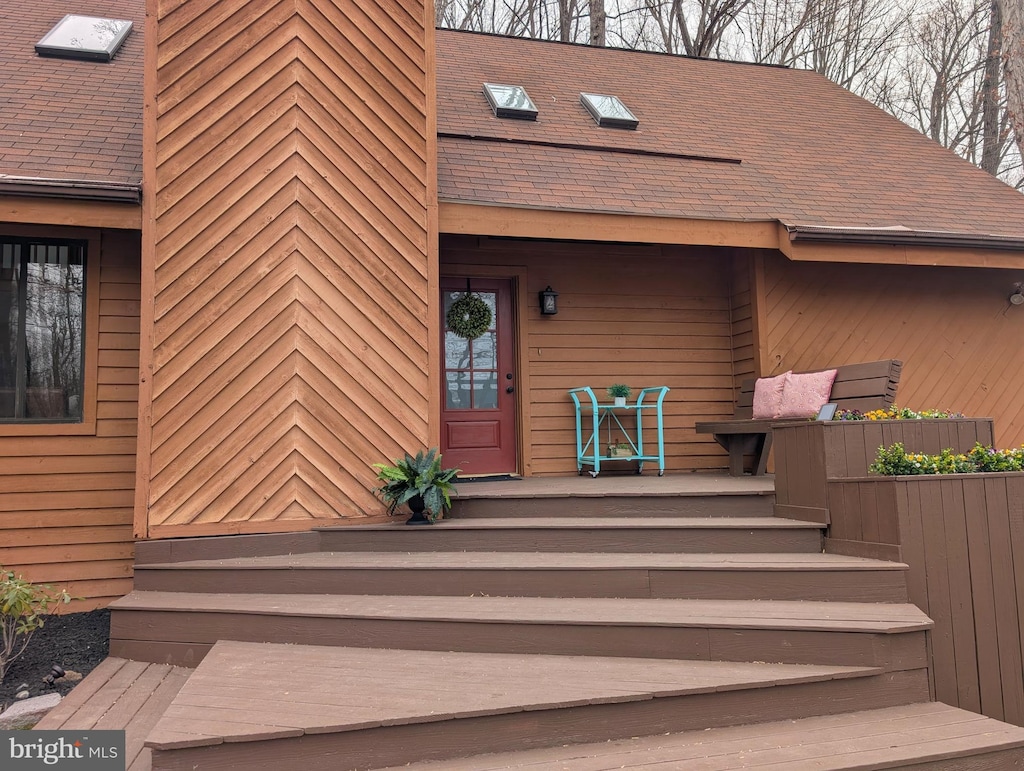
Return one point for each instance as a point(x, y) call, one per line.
point(593, 418)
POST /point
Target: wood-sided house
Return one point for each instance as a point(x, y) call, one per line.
point(228, 251)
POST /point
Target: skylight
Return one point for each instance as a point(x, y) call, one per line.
point(84, 37)
point(609, 111)
point(510, 101)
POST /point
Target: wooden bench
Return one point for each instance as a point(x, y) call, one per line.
point(864, 387)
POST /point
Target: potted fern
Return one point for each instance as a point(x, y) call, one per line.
point(419, 482)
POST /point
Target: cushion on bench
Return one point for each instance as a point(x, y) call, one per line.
point(805, 394)
point(768, 396)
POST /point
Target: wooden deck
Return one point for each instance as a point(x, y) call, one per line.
point(535, 617)
point(575, 574)
point(615, 495)
point(926, 736)
point(616, 484)
point(120, 695)
point(365, 708)
point(173, 626)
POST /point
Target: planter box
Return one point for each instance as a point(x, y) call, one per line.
point(808, 455)
point(962, 537)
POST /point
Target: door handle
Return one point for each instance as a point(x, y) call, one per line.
point(509, 389)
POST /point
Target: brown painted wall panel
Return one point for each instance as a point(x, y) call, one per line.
point(953, 329)
point(66, 499)
point(292, 256)
point(640, 315)
point(810, 456)
point(962, 537)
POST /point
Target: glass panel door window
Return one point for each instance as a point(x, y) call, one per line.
point(42, 324)
point(471, 366)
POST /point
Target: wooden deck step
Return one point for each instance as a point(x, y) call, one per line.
point(795, 576)
point(120, 695)
point(181, 627)
point(264, 706)
point(931, 736)
point(584, 534)
point(611, 497)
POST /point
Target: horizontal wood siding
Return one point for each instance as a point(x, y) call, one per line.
point(953, 329)
point(66, 500)
point(291, 255)
point(640, 315)
point(744, 360)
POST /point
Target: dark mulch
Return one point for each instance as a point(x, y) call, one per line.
point(75, 641)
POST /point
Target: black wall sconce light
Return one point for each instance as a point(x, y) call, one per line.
point(548, 302)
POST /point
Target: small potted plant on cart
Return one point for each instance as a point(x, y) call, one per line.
point(420, 482)
point(620, 450)
point(619, 393)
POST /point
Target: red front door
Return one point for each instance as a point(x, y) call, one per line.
point(478, 403)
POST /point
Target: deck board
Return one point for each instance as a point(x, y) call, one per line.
point(57, 718)
point(566, 561)
point(120, 695)
point(858, 740)
point(357, 687)
point(604, 523)
point(748, 614)
point(613, 484)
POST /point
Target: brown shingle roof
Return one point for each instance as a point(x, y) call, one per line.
point(64, 119)
point(810, 153)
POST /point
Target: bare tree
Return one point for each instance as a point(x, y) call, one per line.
point(1013, 64)
point(598, 23)
point(992, 136)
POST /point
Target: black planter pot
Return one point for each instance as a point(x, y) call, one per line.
point(418, 507)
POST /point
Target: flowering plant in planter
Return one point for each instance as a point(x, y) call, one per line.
point(896, 461)
point(896, 413)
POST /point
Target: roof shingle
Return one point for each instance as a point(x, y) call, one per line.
point(810, 152)
point(63, 119)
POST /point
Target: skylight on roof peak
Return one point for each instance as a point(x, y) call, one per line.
point(84, 37)
point(609, 111)
point(510, 101)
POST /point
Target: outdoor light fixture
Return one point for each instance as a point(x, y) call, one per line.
point(1017, 298)
point(55, 674)
point(548, 302)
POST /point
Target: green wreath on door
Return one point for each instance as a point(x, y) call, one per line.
point(469, 316)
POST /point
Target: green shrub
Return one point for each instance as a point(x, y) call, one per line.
point(896, 461)
point(23, 608)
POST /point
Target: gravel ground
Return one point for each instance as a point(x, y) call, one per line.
point(75, 641)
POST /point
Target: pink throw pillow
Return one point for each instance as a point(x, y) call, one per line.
point(805, 394)
point(768, 396)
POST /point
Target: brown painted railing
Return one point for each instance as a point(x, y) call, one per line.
point(808, 455)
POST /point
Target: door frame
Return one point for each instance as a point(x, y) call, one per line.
point(516, 274)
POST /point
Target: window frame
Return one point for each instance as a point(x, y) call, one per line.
point(86, 425)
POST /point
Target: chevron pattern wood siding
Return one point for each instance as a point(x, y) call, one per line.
point(292, 258)
point(953, 328)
